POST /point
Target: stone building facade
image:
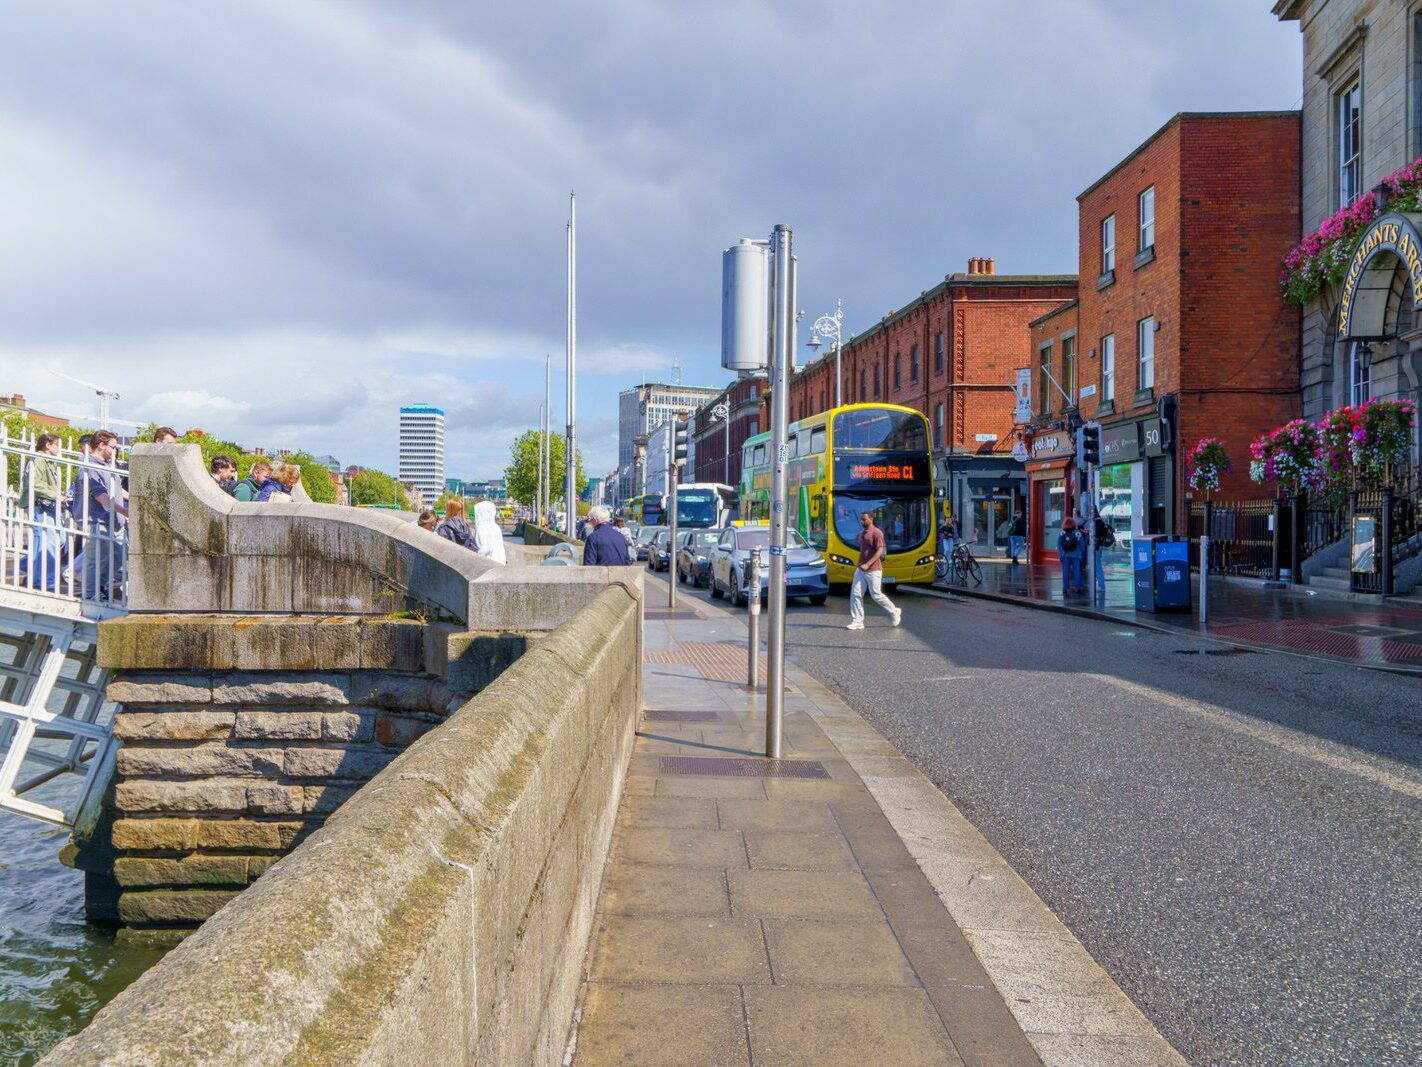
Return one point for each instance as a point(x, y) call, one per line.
point(952, 354)
point(1362, 120)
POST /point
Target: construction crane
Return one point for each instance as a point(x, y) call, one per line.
point(104, 395)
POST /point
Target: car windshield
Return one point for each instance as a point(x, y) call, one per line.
point(904, 520)
point(696, 507)
point(760, 538)
point(881, 428)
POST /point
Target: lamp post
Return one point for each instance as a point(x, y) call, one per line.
point(828, 326)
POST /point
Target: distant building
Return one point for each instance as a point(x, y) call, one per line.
point(17, 401)
point(329, 462)
point(422, 448)
point(716, 442)
point(641, 410)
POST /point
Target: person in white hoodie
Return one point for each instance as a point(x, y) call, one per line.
point(488, 538)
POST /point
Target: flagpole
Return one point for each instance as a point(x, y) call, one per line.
point(570, 447)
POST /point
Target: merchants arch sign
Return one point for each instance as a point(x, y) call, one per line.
point(1384, 279)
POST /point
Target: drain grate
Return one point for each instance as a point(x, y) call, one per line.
point(675, 715)
point(726, 767)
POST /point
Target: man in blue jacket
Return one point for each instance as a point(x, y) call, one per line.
point(604, 547)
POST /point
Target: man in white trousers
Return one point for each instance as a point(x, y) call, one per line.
point(870, 575)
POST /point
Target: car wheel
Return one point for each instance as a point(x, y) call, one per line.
point(681, 576)
point(715, 589)
point(738, 600)
point(819, 599)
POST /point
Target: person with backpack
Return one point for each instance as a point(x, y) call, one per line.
point(1017, 534)
point(1071, 550)
point(1104, 537)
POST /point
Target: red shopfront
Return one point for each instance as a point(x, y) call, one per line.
point(1051, 493)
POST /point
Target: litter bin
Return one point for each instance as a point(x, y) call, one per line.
point(1161, 567)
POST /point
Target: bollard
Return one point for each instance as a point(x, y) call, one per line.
point(752, 584)
point(1204, 579)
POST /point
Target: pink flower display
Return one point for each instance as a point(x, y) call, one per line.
point(1204, 465)
point(1322, 257)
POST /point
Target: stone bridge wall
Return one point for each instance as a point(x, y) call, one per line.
point(441, 913)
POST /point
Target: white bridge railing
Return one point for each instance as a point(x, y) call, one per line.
point(62, 569)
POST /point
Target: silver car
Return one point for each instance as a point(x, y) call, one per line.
point(805, 573)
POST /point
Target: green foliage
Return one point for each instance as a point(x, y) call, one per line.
point(17, 424)
point(522, 473)
point(378, 488)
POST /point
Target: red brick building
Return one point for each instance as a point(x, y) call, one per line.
point(1181, 331)
point(717, 458)
point(952, 354)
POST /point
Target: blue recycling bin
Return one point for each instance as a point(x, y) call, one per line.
point(1161, 569)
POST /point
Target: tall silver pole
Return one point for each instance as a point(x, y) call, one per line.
point(547, 436)
point(570, 445)
point(783, 336)
point(538, 493)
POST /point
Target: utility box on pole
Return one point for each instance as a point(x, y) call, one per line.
point(745, 319)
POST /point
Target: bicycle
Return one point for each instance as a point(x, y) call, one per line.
point(965, 564)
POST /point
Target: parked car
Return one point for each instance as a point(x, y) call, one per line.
point(693, 557)
point(658, 548)
point(805, 574)
point(642, 538)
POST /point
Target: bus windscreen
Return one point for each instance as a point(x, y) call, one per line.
point(696, 507)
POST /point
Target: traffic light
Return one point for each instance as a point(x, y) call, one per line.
point(1088, 445)
point(679, 441)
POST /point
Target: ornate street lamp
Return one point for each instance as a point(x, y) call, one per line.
point(828, 326)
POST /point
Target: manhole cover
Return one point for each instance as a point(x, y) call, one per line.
point(726, 767)
point(681, 716)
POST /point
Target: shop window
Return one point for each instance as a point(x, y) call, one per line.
point(898, 371)
point(1108, 368)
point(1350, 143)
point(1108, 244)
point(1145, 351)
point(938, 353)
point(1360, 372)
point(1069, 369)
point(1044, 379)
point(1145, 204)
point(913, 364)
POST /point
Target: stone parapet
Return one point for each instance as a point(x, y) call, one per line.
point(440, 915)
point(240, 735)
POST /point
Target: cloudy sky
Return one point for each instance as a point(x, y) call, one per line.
point(280, 219)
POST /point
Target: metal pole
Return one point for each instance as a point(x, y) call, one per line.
point(671, 510)
point(838, 377)
point(782, 334)
point(570, 445)
point(1204, 576)
point(753, 620)
point(538, 492)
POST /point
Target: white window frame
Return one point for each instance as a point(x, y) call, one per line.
point(1145, 212)
point(1108, 367)
point(1108, 244)
point(1145, 353)
point(1360, 378)
point(1348, 105)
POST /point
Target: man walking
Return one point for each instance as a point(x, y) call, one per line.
point(1017, 534)
point(603, 546)
point(869, 575)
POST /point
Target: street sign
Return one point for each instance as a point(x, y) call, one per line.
point(1023, 411)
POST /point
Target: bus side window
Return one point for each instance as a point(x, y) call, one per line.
point(819, 522)
point(817, 440)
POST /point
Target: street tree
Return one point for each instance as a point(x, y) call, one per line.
point(377, 488)
point(522, 473)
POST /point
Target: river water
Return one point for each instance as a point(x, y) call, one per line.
point(56, 969)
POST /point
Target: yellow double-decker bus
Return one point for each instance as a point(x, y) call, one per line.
point(841, 463)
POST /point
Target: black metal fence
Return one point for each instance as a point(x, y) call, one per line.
point(1386, 527)
point(1241, 534)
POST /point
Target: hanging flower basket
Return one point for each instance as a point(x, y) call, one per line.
point(1323, 256)
point(1287, 456)
point(1205, 464)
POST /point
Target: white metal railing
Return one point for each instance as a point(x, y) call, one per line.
point(63, 526)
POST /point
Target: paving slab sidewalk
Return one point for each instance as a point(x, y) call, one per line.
point(747, 918)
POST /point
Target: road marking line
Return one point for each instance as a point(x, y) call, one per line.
point(1283, 737)
point(948, 678)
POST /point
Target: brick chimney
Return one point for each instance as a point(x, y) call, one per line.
point(991, 267)
point(973, 265)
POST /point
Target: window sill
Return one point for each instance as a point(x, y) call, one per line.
point(1144, 256)
point(1105, 407)
point(1144, 396)
point(1109, 278)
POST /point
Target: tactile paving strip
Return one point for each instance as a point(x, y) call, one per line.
point(674, 715)
point(717, 661)
point(728, 767)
